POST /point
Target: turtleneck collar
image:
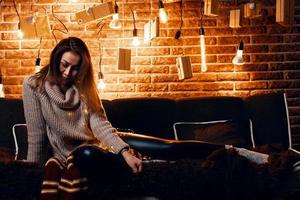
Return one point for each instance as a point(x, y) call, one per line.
point(69, 100)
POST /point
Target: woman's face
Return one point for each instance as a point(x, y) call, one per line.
point(69, 67)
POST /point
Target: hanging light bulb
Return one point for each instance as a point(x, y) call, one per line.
point(163, 17)
point(20, 32)
point(202, 47)
point(37, 65)
point(238, 59)
point(101, 84)
point(1, 88)
point(115, 22)
point(135, 40)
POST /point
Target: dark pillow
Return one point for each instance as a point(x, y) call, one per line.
point(217, 132)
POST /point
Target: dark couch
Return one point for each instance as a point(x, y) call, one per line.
point(258, 120)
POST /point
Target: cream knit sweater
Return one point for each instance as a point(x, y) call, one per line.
point(62, 120)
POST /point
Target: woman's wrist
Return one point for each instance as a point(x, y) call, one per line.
point(124, 149)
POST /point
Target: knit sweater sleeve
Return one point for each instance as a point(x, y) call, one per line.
point(36, 126)
point(104, 131)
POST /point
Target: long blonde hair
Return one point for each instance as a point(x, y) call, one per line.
point(85, 82)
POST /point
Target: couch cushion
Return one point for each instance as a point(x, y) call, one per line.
point(217, 132)
point(214, 109)
point(11, 113)
point(269, 116)
point(149, 116)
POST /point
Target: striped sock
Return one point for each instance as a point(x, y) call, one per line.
point(52, 173)
point(72, 185)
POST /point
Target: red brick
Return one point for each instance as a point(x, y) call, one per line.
point(293, 101)
point(291, 38)
point(292, 57)
point(251, 67)
point(278, 29)
point(70, 8)
point(250, 30)
point(284, 84)
point(153, 51)
point(250, 85)
point(163, 60)
point(233, 76)
point(217, 86)
point(221, 68)
point(267, 39)
point(220, 49)
point(267, 57)
point(29, 44)
point(292, 75)
point(8, 26)
point(292, 93)
point(9, 45)
point(20, 54)
point(9, 63)
point(12, 89)
point(10, 36)
point(185, 87)
point(18, 71)
point(134, 79)
point(295, 119)
point(151, 87)
point(13, 80)
point(232, 40)
point(7, 8)
point(283, 48)
point(177, 51)
point(266, 75)
point(152, 69)
point(11, 18)
point(285, 66)
point(164, 78)
point(256, 48)
point(141, 61)
point(228, 58)
point(120, 87)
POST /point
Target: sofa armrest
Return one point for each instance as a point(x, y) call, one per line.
point(164, 149)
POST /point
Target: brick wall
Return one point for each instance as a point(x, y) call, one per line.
point(272, 52)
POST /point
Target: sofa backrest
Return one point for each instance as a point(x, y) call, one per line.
point(270, 120)
point(11, 113)
point(208, 109)
point(156, 116)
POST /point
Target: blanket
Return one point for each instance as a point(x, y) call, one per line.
point(222, 175)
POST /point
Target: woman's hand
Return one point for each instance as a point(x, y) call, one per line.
point(132, 160)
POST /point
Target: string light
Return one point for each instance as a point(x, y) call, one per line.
point(163, 17)
point(38, 60)
point(238, 59)
point(202, 47)
point(1, 88)
point(101, 84)
point(115, 22)
point(135, 39)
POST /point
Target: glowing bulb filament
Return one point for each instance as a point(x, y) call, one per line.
point(163, 15)
point(202, 47)
point(101, 84)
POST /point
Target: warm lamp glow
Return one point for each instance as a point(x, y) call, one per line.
point(115, 22)
point(202, 47)
point(37, 65)
point(101, 84)
point(135, 40)
point(238, 59)
point(20, 34)
point(1, 91)
point(163, 17)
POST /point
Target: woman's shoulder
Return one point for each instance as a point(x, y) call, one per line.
point(29, 81)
